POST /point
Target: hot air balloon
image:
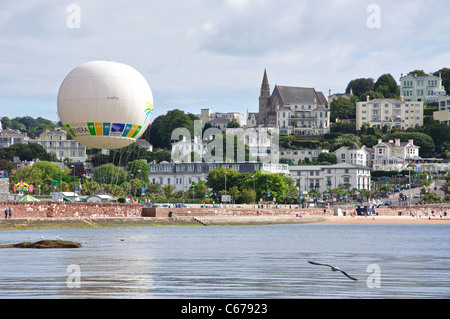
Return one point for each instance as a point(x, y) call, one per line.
point(105, 104)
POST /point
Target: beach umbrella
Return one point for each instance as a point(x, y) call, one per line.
point(28, 198)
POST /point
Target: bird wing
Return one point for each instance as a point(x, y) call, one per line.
point(314, 263)
point(352, 278)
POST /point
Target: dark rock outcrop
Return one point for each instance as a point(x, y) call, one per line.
point(45, 244)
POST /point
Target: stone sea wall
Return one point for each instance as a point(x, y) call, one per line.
point(50, 209)
point(70, 210)
point(4, 189)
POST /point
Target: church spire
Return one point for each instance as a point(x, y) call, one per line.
point(265, 87)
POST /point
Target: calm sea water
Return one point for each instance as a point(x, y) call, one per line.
point(411, 261)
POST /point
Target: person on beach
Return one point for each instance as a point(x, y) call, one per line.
point(10, 212)
point(6, 213)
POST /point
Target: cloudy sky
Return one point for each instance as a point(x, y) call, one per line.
point(212, 53)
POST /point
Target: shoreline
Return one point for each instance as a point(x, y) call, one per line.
point(83, 222)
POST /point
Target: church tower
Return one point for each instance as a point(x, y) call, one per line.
point(264, 97)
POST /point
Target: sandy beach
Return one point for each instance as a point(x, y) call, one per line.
point(386, 220)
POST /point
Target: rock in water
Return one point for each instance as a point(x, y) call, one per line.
point(45, 244)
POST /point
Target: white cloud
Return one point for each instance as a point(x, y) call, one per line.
point(203, 53)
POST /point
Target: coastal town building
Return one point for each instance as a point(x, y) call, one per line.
point(182, 175)
point(252, 119)
point(353, 154)
point(10, 137)
point(296, 156)
point(59, 143)
point(326, 177)
point(427, 88)
point(335, 96)
point(443, 113)
point(218, 119)
point(394, 155)
point(297, 110)
point(390, 113)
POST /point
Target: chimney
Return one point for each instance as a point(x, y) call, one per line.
point(379, 140)
point(329, 92)
point(367, 98)
point(397, 142)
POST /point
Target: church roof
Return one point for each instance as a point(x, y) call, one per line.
point(295, 95)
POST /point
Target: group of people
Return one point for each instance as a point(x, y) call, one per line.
point(8, 211)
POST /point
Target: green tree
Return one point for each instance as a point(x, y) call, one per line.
point(233, 124)
point(168, 190)
point(163, 126)
point(139, 169)
point(108, 174)
point(327, 157)
point(344, 140)
point(41, 173)
point(417, 73)
point(248, 195)
point(216, 179)
point(387, 86)
point(26, 152)
point(235, 193)
point(440, 133)
point(342, 108)
point(360, 86)
point(264, 182)
point(445, 74)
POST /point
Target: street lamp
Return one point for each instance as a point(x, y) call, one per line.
point(139, 171)
point(225, 185)
point(73, 169)
point(254, 190)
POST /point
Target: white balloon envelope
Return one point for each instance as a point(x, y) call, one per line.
point(104, 104)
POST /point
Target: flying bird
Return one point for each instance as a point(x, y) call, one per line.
point(333, 268)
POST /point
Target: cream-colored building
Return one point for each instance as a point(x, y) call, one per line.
point(219, 120)
point(394, 155)
point(389, 112)
point(57, 142)
point(443, 113)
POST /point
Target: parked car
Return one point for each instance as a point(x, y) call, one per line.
point(388, 203)
point(417, 195)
